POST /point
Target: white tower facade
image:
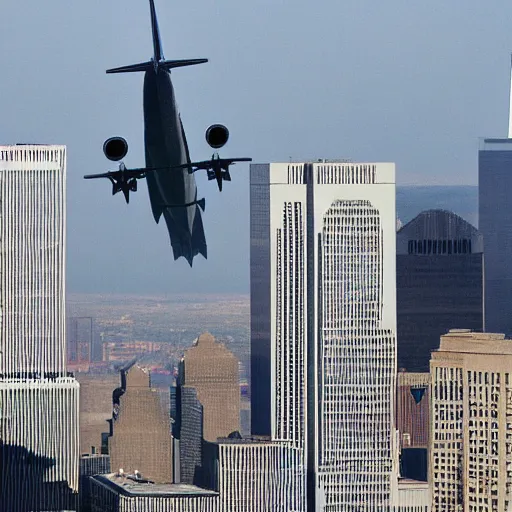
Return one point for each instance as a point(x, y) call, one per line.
point(32, 259)
point(326, 254)
point(39, 449)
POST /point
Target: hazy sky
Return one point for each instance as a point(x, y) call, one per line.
point(411, 82)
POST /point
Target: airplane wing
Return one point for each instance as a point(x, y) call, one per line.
point(113, 174)
point(128, 173)
point(208, 164)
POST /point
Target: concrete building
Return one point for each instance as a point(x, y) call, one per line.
point(413, 424)
point(212, 370)
point(413, 409)
point(495, 224)
point(439, 283)
point(323, 322)
point(126, 493)
point(141, 430)
point(257, 474)
point(252, 475)
point(91, 465)
point(95, 410)
point(471, 437)
point(413, 496)
point(39, 454)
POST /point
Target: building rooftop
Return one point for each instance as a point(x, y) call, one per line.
point(129, 487)
point(466, 341)
point(249, 440)
point(407, 483)
point(495, 144)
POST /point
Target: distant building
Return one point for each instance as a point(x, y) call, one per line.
point(123, 351)
point(95, 410)
point(212, 370)
point(495, 224)
point(439, 283)
point(141, 430)
point(79, 334)
point(471, 435)
point(323, 322)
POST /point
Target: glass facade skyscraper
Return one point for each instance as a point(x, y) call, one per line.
point(439, 280)
point(495, 224)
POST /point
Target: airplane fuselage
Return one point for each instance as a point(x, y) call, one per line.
point(166, 147)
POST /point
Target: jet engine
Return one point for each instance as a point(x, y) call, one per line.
point(217, 135)
point(115, 148)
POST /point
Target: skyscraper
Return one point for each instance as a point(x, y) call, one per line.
point(141, 429)
point(439, 283)
point(323, 321)
point(471, 455)
point(212, 370)
point(495, 224)
point(38, 400)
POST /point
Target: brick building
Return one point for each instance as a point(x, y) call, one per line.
point(141, 429)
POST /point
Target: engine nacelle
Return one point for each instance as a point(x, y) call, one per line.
point(217, 135)
point(115, 148)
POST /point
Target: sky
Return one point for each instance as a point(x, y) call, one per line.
point(416, 83)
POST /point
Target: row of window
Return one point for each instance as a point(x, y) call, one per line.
point(461, 246)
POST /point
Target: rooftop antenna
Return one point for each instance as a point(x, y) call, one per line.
point(510, 106)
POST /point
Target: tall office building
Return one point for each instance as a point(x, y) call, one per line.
point(141, 429)
point(95, 411)
point(439, 283)
point(495, 224)
point(38, 400)
point(323, 321)
point(212, 370)
point(471, 446)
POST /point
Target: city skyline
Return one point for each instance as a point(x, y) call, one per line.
point(392, 107)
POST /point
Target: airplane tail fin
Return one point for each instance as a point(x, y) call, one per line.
point(158, 61)
point(163, 64)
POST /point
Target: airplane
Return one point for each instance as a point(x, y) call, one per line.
point(165, 147)
point(168, 172)
point(217, 168)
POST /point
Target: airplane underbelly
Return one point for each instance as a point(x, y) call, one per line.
point(166, 147)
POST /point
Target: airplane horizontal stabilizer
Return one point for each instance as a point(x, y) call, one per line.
point(133, 68)
point(201, 203)
point(170, 64)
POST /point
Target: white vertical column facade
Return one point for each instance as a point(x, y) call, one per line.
point(343, 216)
point(39, 403)
point(288, 281)
point(32, 259)
point(263, 477)
point(355, 314)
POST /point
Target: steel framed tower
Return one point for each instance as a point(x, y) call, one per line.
point(323, 323)
point(38, 399)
